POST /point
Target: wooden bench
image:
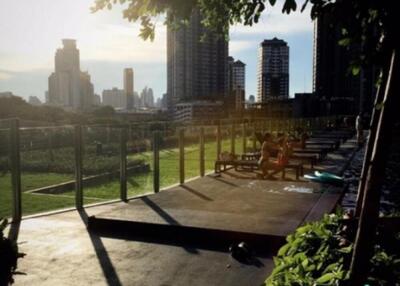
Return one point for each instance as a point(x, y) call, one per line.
point(253, 165)
point(310, 158)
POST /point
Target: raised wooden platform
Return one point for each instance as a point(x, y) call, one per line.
point(220, 209)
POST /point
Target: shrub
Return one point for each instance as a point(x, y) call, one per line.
point(314, 255)
point(319, 254)
point(8, 256)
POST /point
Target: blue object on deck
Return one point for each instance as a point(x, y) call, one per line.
point(325, 178)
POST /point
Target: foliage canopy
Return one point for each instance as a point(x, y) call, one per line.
point(371, 23)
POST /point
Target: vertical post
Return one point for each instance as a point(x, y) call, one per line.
point(181, 156)
point(254, 137)
point(78, 167)
point(366, 232)
point(15, 170)
point(156, 161)
point(202, 168)
point(244, 134)
point(233, 138)
point(218, 139)
point(122, 164)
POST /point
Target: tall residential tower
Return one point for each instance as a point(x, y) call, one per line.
point(196, 67)
point(273, 70)
point(129, 88)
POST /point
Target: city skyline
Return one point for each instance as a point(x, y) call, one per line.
point(24, 67)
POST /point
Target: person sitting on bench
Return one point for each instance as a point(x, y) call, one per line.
point(268, 147)
point(300, 143)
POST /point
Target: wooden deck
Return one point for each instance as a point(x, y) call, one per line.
point(178, 236)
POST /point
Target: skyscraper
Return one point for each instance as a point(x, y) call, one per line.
point(68, 86)
point(333, 84)
point(147, 97)
point(273, 70)
point(129, 87)
point(236, 74)
point(196, 67)
point(236, 84)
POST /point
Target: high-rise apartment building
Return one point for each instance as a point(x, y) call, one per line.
point(236, 74)
point(339, 91)
point(273, 70)
point(129, 88)
point(68, 86)
point(196, 66)
point(236, 84)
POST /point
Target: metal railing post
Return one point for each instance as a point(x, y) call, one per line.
point(244, 133)
point(233, 138)
point(15, 159)
point(78, 167)
point(218, 140)
point(122, 164)
point(181, 156)
point(254, 137)
point(156, 161)
point(202, 159)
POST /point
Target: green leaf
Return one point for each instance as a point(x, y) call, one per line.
point(344, 42)
point(325, 278)
point(355, 70)
point(282, 251)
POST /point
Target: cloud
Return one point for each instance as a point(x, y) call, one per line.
point(237, 46)
point(110, 42)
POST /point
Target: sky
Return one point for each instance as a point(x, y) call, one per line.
point(31, 31)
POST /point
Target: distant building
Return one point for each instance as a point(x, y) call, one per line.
point(147, 97)
point(34, 100)
point(236, 74)
point(96, 100)
point(196, 67)
point(273, 70)
point(236, 85)
point(239, 99)
point(252, 99)
point(68, 86)
point(277, 108)
point(342, 92)
point(129, 88)
point(198, 110)
point(164, 101)
point(114, 97)
point(6, 94)
point(46, 97)
point(136, 100)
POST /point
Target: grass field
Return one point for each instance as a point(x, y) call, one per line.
point(137, 184)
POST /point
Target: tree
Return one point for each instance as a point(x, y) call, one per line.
point(374, 29)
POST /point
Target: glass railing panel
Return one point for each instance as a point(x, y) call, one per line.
point(101, 163)
point(47, 168)
point(139, 161)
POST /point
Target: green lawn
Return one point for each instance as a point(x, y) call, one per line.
point(35, 203)
point(137, 184)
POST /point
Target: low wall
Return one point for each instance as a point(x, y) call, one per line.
point(91, 180)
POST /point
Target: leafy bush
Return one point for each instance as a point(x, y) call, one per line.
point(314, 255)
point(319, 254)
point(8, 256)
